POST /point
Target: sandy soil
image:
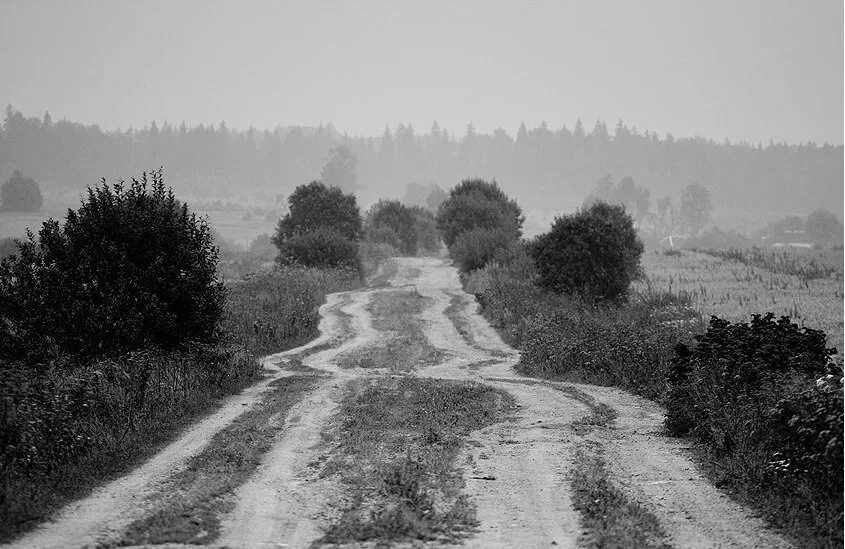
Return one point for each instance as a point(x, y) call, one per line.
point(516, 472)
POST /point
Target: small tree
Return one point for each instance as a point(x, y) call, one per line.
point(340, 169)
point(477, 204)
point(317, 206)
point(594, 253)
point(695, 207)
point(398, 217)
point(20, 194)
point(130, 268)
point(824, 228)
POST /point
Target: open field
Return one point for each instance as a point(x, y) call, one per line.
point(734, 291)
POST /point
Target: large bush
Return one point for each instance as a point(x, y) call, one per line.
point(397, 217)
point(321, 248)
point(475, 248)
point(765, 401)
point(736, 365)
point(594, 253)
point(315, 206)
point(477, 204)
point(130, 268)
point(20, 194)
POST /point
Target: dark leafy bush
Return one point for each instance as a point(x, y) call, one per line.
point(475, 248)
point(736, 364)
point(130, 268)
point(317, 207)
point(398, 218)
point(321, 248)
point(594, 253)
point(806, 434)
point(20, 194)
point(765, 400)
point(477, 204)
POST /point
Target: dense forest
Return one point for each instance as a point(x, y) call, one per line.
point(214, 162)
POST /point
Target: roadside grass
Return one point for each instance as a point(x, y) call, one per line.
point(609, 517)
point(198, 496)
point(398, 441)
point(271, 312)
point(396, 314)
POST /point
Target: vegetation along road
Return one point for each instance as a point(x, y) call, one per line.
point(404, 424)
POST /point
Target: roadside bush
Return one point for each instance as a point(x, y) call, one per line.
point(477, 204)
point(475, 248)
point(594, 254)
point(321, 248)
point(316, 207)
point(20, 194)
point(382, 235)
point(765, 401)
point(398, 218)
point(129, 269)
point(428, 237)
point(737, 365)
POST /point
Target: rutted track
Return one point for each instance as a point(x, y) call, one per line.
point(517, 472)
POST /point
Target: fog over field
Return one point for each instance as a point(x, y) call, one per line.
point(242, 102)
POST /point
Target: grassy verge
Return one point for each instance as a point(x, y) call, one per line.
point(396, 313)
point(201, 494)
point(398, 441)
point(609, 517)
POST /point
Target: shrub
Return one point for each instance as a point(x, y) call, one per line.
point(20, 194)
point(594, 253)
point(383, 235)
point(428, 237)
point(315, 206)
point(477, 204)
point(473, 249)
point(765, 400)
point(321, 248)
point(733, 366)
point(398, 218)
point(130, 268)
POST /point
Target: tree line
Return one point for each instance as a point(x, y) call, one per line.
point(215, 160)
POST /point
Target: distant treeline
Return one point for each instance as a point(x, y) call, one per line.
point(540, 165)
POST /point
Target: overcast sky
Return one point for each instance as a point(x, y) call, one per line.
point(742, 69)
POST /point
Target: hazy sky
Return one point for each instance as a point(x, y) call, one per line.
point(742, 69)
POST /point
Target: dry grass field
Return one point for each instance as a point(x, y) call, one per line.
point(734, 290)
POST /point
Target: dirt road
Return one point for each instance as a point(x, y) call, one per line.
point(517, 473)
